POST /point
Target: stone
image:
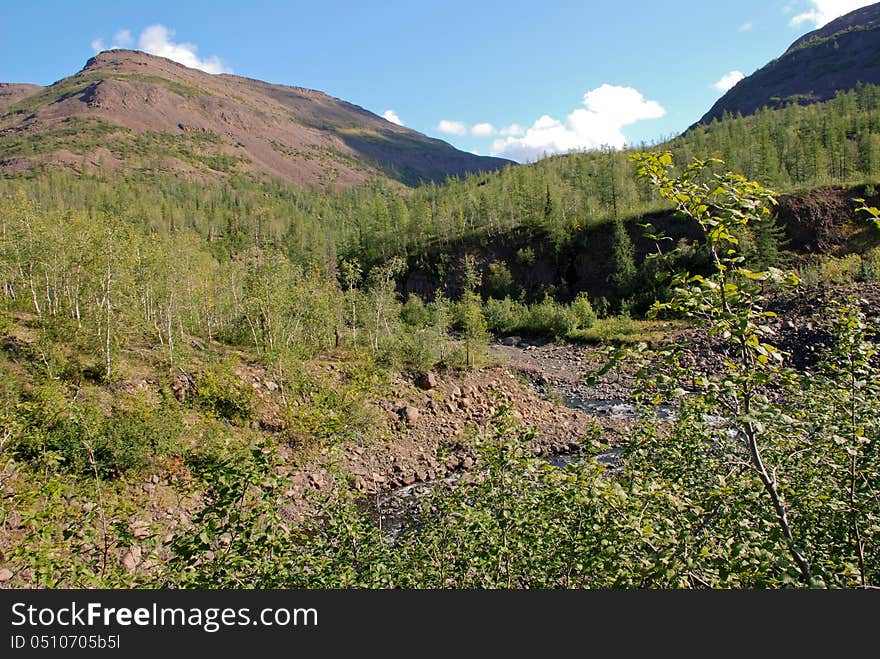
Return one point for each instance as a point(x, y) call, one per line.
point(140, 529)
point(510, 340)
point(179, 388)
point(131, 559)
point(271, 386)
point(411, 414)
point(427, 381)
point(5, 575)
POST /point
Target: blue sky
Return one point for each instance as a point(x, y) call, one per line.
point(512, 78)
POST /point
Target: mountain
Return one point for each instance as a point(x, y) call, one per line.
point(836, 57)
point(133, 111)
point(12, 93)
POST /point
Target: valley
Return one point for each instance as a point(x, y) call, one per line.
point(245, 328)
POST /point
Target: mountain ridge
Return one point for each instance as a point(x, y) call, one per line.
point(127, 109)
point(836, 57)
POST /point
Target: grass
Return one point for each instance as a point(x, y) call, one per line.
point(623, 330)
point(79, 135)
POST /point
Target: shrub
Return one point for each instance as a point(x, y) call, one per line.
point(583, 311)
point(85, 440)
point(414, 313)
point(222, 393)
point(504, 316)
point(550, 318)
point(417, 351)
point(499, 281)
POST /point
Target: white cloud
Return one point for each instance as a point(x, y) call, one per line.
point(122, 39)
point(452, 127)
point(825, 11)
point(513, 130)
point(608, 109)
point(157, 40)
point(745, 27)
point(482, 130)
point(393, 117)
point(728, 80)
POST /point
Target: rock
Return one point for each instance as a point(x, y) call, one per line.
point(180, 387)
point(89, 507)
point(5, 575)
point(140, 529)
point(411, 414)
point(131, 559)
point(510, 340)
point(427, 381)
point(271, 386)
point(455, 392)
point(467, 462)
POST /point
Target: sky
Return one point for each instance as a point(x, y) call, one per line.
point(514, 78)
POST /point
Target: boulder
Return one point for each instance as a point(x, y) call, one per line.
point(131, 559)
point(410, 414)
point(427, 381)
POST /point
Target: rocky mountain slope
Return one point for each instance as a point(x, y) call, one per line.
point(835, 57)
point(126, 109)
point(12, 93)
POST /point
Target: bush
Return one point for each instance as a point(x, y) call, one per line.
point(414, 313)
point(86, 440)
point(504, 316)
point(222, 393)
point(417, 351)
point(499, 281)
point(550, 318)
point(335, 410)
point(583, 311)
